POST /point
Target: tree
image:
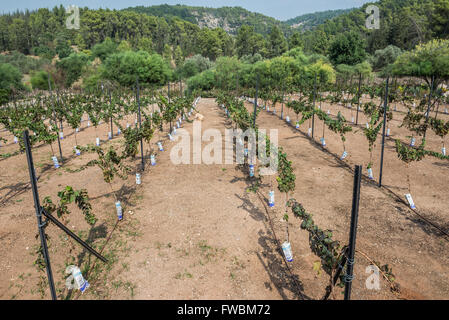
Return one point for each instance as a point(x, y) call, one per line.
point(320, 42)
point(39, 80)
point(225, 72)
point(227, 42)
point(295, 41)
point(426, 61)
point(194, 65)
point(209, 44)
point(73, 67)
point(244, 40)
point(177, 56)
point(251, 59)
point(440, 19)
point(383, 58)
point(104, 49)
point(277, 44)
point(62, 48)
point(167, 54)
point(124, 67)
point(347, 48)
point(124, 46)
point(145, 44)
point(202, 81)
point(10, 78)
point(44, 52)
point(17, 31)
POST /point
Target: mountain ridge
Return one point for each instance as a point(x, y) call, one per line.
point(231, 18)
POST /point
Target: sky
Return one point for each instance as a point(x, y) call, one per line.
point(279, 9)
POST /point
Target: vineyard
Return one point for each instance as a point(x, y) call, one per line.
point(99, 136)
point(175, 161)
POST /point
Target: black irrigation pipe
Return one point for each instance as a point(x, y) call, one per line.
point(384, 188)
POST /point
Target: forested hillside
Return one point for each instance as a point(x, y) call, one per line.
point(43, 32)
point(178, 33)
point(403, 23)
point(310, 20)
point(227, 18)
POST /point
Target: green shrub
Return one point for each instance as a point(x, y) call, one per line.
point(39, 80)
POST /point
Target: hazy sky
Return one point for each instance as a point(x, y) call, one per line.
point(279, 9)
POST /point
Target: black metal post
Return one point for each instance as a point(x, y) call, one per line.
point(110, 102)
point(59, 138)
point(358, 102)
point(237, 83)
point(313, 111)
point(140, 123)
point(55, 119)
point(180, 88)
point(282, 104)
point(353, 231)
point(71, 234)
point(383, 133)
point(37, 206)
point(430, 103)
point(255, 101)
point(168, 94)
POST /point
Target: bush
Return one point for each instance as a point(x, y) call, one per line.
point(194, 65)
point(39, 80)
point(73, 66)
point(104, 49)
point(63, 48)
point(385, 57)
point(90, 83)
point(347, 48)
point(204, 81)
point(4, 96)
point(124, 67)
point(22, 62)
point(10, 77)
point(44, 52)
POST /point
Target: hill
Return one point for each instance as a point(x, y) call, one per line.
point(403, 23)
point(310, 20)
point(227, 18)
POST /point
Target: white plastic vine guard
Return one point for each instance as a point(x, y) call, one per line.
point(409, 198)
